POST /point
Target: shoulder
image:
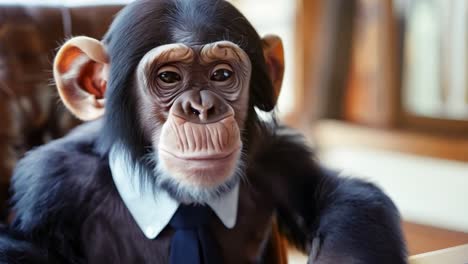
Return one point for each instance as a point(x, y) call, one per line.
point(281, 143)
point(282, 160)
point(54, 179)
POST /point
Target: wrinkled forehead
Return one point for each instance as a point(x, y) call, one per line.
point(207, 53)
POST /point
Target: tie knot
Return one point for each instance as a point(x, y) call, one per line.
point(190, 216)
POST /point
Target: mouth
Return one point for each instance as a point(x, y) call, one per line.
point(203, 157)
point(203, 170)
point(180, 119)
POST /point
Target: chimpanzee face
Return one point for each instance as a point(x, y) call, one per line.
point(193, 105)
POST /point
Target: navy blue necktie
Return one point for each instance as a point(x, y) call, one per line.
point(192, 242)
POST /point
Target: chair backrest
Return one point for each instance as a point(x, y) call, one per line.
point(30, 112)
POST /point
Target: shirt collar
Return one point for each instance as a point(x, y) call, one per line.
point(152, 210)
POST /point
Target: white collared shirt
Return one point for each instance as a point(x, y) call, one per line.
point(152, 210)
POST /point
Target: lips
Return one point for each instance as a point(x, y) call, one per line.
point(207, 170)
point(199, 154)
point(190, 140)
point(202, 157)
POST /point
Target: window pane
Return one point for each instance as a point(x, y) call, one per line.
point(435, 83)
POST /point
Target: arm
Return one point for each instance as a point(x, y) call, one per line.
point(16, 250)
point(50, 185)
point(337, 220)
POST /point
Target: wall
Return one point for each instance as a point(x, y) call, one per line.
point(426, 190)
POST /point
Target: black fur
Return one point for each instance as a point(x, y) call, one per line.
point(354, 221)
point(53, 190)
point(17, 251)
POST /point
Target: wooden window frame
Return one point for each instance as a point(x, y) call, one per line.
point(409, 133)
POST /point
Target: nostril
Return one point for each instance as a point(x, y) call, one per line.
point(194, 111)
point(210, 111)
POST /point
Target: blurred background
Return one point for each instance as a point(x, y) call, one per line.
point(379, 87)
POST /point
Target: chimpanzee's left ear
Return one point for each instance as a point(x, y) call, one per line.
point(274, 58)
point(81, 72)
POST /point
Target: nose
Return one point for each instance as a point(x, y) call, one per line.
point(201, 107)
point(202, 111)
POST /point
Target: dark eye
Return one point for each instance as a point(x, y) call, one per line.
point(221, 75)
point(169, 77)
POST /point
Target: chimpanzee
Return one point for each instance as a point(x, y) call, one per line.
point(175, 166)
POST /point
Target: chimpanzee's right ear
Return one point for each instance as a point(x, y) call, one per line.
point(81, 72)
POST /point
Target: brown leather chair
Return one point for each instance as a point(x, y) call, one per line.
point(30, 112)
